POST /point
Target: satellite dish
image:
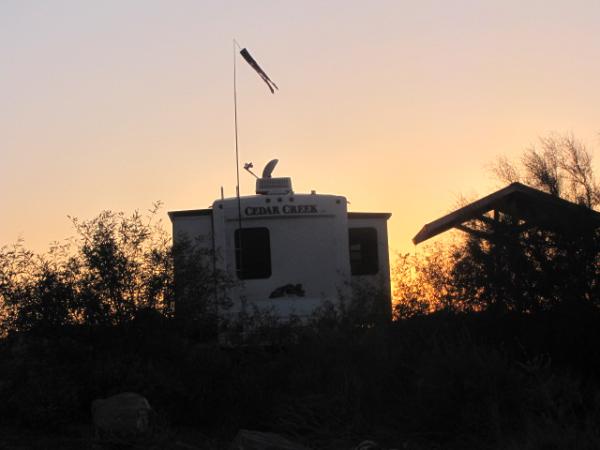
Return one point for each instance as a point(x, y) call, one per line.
point(248, 167)
point(268, 170)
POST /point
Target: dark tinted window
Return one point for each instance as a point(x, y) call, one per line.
point(252, 253)
point(363, 251)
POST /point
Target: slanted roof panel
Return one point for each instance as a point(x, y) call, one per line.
point(189, 213)
point(519, 201)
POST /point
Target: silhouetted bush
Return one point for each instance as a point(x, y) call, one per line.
point(516, 264)
point(96, 318)
point(452, 380)
point(116, 266)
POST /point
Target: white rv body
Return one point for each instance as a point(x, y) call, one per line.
point(288, 253)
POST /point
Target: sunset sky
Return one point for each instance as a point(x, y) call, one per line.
point(399, 106)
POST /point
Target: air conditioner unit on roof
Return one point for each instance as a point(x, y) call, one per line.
point(271, 186)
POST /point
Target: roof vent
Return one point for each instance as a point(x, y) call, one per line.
point(268, 185)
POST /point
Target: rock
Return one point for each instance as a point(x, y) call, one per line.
point(367, 445)
point(256, 440)
point(371, 445)
point(123, 416)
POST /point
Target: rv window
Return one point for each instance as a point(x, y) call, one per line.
point(363, 251)
point(252, 253)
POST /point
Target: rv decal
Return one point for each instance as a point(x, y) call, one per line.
point(277, 210)
point(288, 290)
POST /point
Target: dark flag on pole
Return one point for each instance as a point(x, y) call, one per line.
point(250, 60)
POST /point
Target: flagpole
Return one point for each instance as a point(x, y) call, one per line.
point(272, 87)
point(237, 153)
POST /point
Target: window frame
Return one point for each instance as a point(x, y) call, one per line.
point(368, 239)
point(244, 272)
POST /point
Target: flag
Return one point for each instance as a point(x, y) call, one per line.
point(250, 60)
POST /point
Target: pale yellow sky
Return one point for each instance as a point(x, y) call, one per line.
point(400, 106)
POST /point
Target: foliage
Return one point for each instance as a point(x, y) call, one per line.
point(124, 266)
point(95, 317)
point(559, 165)
point(115, 268)
point(444, 380)
point(520, 267)
point(532, 268)
point(199, 289)
point(422, 283)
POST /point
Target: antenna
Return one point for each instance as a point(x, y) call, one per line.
point(247, 168)
point(239, 246)
point(268, 170)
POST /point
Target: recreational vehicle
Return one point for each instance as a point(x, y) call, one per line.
point(289, 252)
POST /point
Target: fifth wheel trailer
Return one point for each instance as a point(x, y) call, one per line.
point(289, 253)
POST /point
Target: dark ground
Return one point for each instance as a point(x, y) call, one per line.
point(472, 381)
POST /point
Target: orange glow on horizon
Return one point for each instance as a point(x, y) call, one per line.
point(399, 107)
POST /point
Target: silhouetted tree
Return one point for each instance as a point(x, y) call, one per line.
point(517, 269)
point(123, 265)
point(559, 165)
point(198, 288)
point(422, 283)
point(116, 266)
point(536, 268)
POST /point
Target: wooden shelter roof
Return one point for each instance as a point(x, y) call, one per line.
point(522, 202)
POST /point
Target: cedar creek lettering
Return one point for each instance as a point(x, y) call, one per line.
point(280, 210)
